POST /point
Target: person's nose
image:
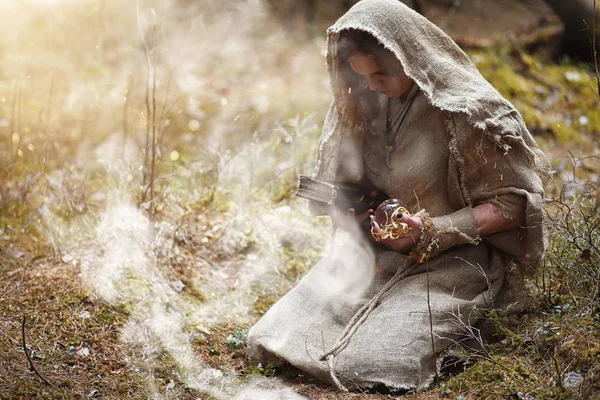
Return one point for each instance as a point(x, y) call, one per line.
point(374, 83)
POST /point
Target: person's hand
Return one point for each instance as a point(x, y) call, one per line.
point(348, 220)
point(404, 243)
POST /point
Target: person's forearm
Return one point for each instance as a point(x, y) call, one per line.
point(491, 220)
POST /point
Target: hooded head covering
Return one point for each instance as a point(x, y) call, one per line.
point(443, 72)
point(451, 83)
point(386, 340)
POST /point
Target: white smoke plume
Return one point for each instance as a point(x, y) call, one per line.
point(230, 74)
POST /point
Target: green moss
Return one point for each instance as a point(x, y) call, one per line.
point(500, 380)
point(551, 97)
point(109, 315)
point(268, 370)
point(534, 358)
point(511, 84)
point(191, 291)
point(593, 124)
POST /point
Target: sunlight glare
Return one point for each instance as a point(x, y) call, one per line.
point(11, 3)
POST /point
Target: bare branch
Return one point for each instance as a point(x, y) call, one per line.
point(32, 367)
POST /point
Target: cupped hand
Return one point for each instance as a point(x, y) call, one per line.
point(405, 243)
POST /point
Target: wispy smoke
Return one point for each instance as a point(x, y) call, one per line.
point(119, 263)
point(221, 64)
point(238, 82)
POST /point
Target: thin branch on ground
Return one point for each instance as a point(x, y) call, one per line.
point(468, 333)
point(24, 342)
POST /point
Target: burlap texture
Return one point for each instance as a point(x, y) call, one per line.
point(451, 83)
point(441, 233)
point(393, 346)
point(462, 144)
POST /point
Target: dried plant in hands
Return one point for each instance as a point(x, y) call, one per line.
point(387, 216)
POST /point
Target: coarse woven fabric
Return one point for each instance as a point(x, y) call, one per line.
point(378, 316)
point(384, 299)
point(451, 83)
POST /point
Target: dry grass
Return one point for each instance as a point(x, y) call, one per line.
point(63, 324)
point(122, 304)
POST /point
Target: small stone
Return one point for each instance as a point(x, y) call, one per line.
point(572, 379)
point(572, 76)
point(583, 120)
point(83, 352)
point(178, 286)
point(525, 396)
point(85, 315)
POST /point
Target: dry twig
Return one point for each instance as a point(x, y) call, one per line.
point(31, 366)
point(150, 148)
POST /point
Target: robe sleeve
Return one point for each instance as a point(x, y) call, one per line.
point(506, 171)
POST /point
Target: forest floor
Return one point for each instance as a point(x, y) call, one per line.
point(118, 286)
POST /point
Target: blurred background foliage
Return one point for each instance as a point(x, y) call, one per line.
point(201, 115)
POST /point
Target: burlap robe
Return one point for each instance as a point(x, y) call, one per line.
point(377, 315)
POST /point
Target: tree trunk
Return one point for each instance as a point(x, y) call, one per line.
point(577, 16)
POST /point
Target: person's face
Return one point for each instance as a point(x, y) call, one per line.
point(391, 82)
